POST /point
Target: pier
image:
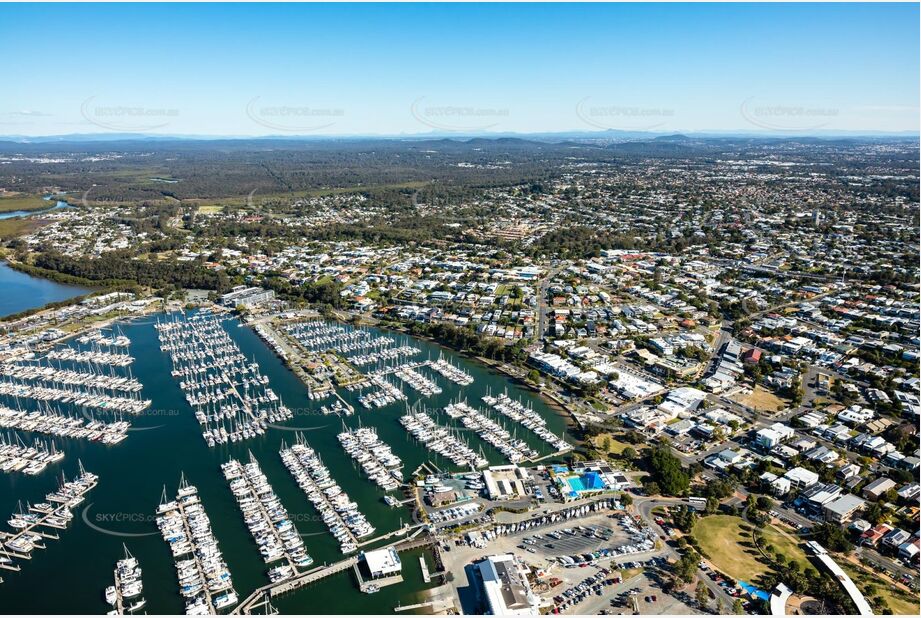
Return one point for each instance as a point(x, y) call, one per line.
point(185, 526)
point(34, 526)
point(255, 599)
point(304, 579)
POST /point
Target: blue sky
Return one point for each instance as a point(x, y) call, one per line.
point(241, 69)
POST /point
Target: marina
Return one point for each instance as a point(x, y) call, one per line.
point(55, 423)
point(169, 425)
point(376, 458)
point(442, 440)
point(528, 418)
point(493, 433)
point(31, 525)
point(17, 456)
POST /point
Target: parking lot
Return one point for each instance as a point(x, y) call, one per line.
point(591, 592)
point(568, 538)
point(594, 538)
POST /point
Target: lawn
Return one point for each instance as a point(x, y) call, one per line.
point(732, 551)
point(787, 544)
point(616, 447)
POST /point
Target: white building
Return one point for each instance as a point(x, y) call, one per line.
point(505, 482)
point(506, 588)
point(383, 562)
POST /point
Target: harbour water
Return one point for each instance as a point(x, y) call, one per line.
point(165, 441)
point(19, 291)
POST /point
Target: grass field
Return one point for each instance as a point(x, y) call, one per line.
point(732, 551)
point(23, 202)
point(787, 544)
point(616, 447)
point(763, 400)
point(11, 228)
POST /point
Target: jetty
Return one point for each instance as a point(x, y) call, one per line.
point(32, 527)
point(255, 599)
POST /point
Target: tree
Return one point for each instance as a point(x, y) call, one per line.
point(737, 607)
point(629, 453)
point(832, 537)
point(651, 488)
point(701, 595)
point(686, 567)
point(606, 444)
point(712, 505)
point(668, 472)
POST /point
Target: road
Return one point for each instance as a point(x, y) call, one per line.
point(644, 507)
point(542, 305)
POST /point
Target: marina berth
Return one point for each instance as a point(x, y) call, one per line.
point(490, 431)
point(90, 357)
point(54, 423)
point(338, 511)
point(76, 378)
point(455, 374)
point(359, 347)
point(338, 408)
point(73, 396)
point(48, 375)
point(385, 394)
point(17, 456)
point(125, 595)
point(204, 579)
point(528, 418)
point(101, 338)
point(265, 516)
point(231, 398)
point(442, 440)
point(417, 381)
point(34, 525)
point(375, 458)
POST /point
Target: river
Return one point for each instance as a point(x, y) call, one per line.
point(28, 213)
point(19, 291)
point(70, 575)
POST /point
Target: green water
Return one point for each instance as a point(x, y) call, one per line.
point(70, 575)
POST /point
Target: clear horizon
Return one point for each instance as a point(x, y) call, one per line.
point(389, 70)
